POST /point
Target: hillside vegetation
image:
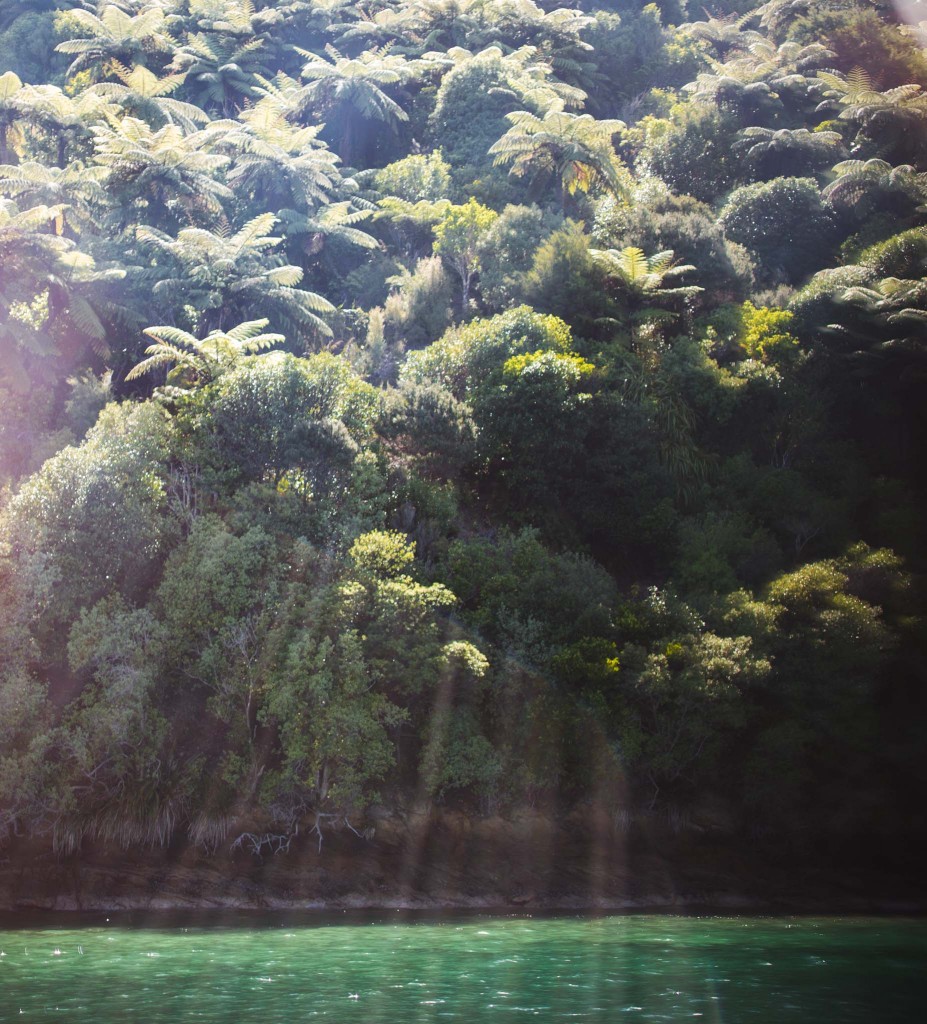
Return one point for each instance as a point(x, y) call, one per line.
point(484, 404)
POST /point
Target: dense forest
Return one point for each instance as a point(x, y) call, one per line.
point(484, 404)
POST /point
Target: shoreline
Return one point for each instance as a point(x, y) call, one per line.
point(721, 903)
point(446, 863)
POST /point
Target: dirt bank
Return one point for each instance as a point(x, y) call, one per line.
point(433, 860)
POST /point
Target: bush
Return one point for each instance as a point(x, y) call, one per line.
point(415, 178)
point(688, 227)
point(784, 223)
point(507, 252)
point(564, 279)
point(692, 151)
point(419, 309)
point(465, 356)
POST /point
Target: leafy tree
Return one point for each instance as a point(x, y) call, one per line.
point(692, 150)
point(26, 774)
point(526, 597)
point(720, 550)
point(784, 223)
point(564, 279)
point(457, 239)
point(288, 423)
point(412, 224)
point(462, 359)
point(120, 782)
point(334, 727)
point(428, 425)
point(369, 658)
point(630, 56)
point(93, 515)
point(415, 178)
point(829, 644)
point(460, 757)
point(530, 420)
point(681, 696)
point(217, 598)
point(469, 115)
point(474, 98)
point(507, 250)
point(27, 45)
point(664, 221)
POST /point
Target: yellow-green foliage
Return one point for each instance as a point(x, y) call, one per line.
point(568, 367)
point(766, 333)
point(460, 360)
point(384, 553)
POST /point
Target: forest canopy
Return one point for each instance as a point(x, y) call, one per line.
point(485, 403)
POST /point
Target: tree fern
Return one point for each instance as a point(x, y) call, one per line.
point(202, 360)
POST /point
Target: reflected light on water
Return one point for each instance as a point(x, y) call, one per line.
point(641, 967)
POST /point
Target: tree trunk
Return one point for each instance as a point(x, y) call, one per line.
point(324, 781)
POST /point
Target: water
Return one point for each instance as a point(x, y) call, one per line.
point(474, 970)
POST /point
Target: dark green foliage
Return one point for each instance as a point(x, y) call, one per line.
point(563, 278)
point(830, 648)
point(692, 151)
point(27, 44)
point(507, 252)
point(784, 223)
point(91, 521)
point(468, 118)
point(687, 227)
point(903, 256)
point(717, 551)
point(280, 413)
point(862, 39)
point(427, 423)
point(516, 591)
point(630, 56)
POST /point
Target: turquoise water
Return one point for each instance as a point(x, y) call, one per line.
point(473, 970)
